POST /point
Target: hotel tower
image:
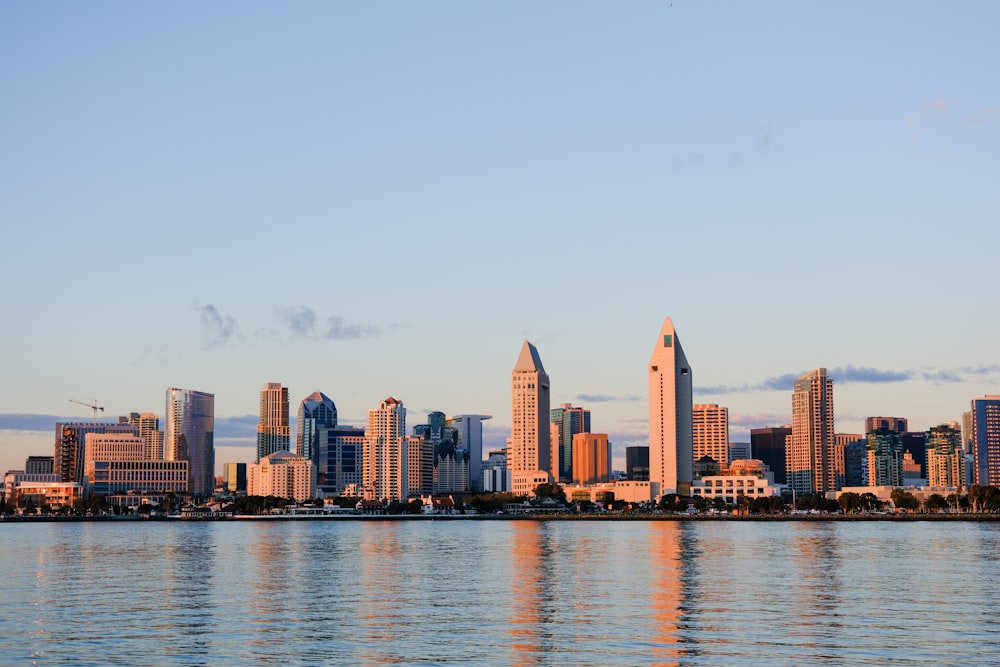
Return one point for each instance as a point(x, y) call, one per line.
point(529, 454)
point(809, 461)
point(671, 456)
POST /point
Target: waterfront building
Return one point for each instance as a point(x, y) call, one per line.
point(147, 424)
point(671, 454)
point(768, 445)
point(234, 477)
point(747, 478)
point(70, 450)
point(496, 478)
point(629, 491)
point(637, 463)
point(986, 440)
point(39, 465)
point(315, 411)
point(273, 431)
point(283, 475)
point(470, 438)
point(945, 457)
point(710, 432)
point(339, 459)
point(25, 489)
point(419, 466)
point(706, 466)
point(809, 455)
point(567, 421)
point(529, 453)
point(591, 458)
point(885, 458)
point(117, 466)
point(189, 435)
point(386, 469)
point(851, 455)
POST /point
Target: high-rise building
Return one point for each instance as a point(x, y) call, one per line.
point(148, 426)
point(283, 475)
point(851, 454)
point(470, 438)
point(234, 477)
point(591, 458)
point(118, 468)
point(986, 440)
point(809, 456)
point(496, 477)
point(768, 445)
point(897, 424)
point(70, 451)
point(189, 435)
point(273, 431)
point(671, 453)
point(316, 410)
point(529, 453)
point(449, 459)
point(39, 465)
point(885, 458)
point(386, 466)
point(637, 464)
point(339, 460)
point(945, 457)
point(567, 422)
point(710, 433)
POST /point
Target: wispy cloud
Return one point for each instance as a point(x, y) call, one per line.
point(305, 323)
point(989, 116)
point(13, 421)
point(217, 329)
point(927, 112)
point(856, 375)
point(607, 398)
point(765, 140)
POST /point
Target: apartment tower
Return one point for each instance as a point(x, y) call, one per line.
point(385, 467)
point(189, 435)
point(567, 421)
point(809, 456)
point(529, 453)
point(710, 433)
point(671, 453)
point(273, 432)
point(986, 440)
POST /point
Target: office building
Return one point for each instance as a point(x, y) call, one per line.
point(386, 466)
point(809, 456)
point(496, 476)
point(282, 475)
point(529, 453)
point(273, 431)
point(470, 438)
point(70, 451)
point(148, 426)
point(768, 445)
point(739, 451)
point(637, 464)
point(316, 410)
point(339, 459)
point(744, 478)
point(885, 458)
point(851, 453)
point(567, 421)
point(945, 457)
point(671, 453)
point(897, 424)
point(591, 458)
point(39, 465)
point(985, 421)
point(234, 477)
point(710, 432)
point(189, 435)
point(118, 468)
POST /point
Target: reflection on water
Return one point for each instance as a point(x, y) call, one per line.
point(499, 593)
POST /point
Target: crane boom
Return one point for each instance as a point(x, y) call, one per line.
point(93, 406)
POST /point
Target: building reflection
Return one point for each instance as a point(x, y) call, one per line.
point(667, 553)
point(532, 604)
point(815, 595)
point(381, 607)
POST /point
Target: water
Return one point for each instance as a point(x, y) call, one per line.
point(499, 593)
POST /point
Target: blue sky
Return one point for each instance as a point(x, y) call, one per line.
point(376, 199)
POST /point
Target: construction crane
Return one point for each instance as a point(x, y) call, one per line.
point(93, 406)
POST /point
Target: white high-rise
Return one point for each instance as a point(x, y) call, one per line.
point(529, 455)
point(671, 456)
point(385, 469)
point(710, 436)
point(809, 461)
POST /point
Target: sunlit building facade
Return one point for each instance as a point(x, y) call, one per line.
point(386, 471)
point(316, 411)
point(282, 475)
point(885, 458)
point(710, 432)
point(591, 458)
point(809, 455)
point(529, 452)
point(985, 421)
point(273, 430)
point(671, 454)
point(470, 438)
point(189, 435)
point(945, 457)
point(567, 421)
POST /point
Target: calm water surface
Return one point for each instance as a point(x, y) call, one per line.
point(499, 593)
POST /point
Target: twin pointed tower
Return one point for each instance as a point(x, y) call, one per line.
point(671, 449)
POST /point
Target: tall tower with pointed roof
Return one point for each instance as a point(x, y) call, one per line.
point(530, 451)
point(671, 455)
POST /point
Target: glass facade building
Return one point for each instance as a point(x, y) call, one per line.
point(189, 435)
point(316, 410)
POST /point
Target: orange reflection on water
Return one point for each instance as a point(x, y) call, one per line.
point(527, 585)
point(666, 552)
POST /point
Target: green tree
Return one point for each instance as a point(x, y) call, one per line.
point(669, 503)
point(904, 500)
point(549, 490)
point(936, 502)
point(849, 502)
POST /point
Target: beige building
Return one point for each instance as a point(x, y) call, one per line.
point(628, 491)
point(591, 458)
point(273, 432)
point(283, 475)
point(385, 470)
point(710, 432)
point(420, 465)
point(747, 478)
point(945, 457)
point(809, 456)
point(117, 465)
point(529, 454)
point(671, 453)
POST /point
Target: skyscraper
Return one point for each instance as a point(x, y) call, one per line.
point(273, 432)
point(189, 435)
point(945, 457)
point(386, 466)
point(885, 458)
point(315, 410)
point(809, 458)
point(986, 440)
point(568, 421)
point(671, 453)
point(70, 446)
point(710, 433)
point(470, 438)
point(529, 454)
point(148, 425)
point(768, 445)
point(591, 458)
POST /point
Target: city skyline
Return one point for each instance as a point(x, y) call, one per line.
point(376, 204)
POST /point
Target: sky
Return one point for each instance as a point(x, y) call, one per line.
point(387, 198)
